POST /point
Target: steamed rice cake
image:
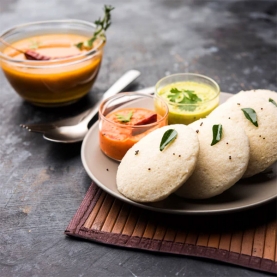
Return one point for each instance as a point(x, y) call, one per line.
point(264, 93)
point(219, 166)
point(262, 138)
point(147, 174)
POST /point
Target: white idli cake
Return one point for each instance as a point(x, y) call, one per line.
point(221, 165)
point(269, 95)
point(147, 174)
point(260, 127)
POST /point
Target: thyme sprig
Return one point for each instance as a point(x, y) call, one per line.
point(101, 25)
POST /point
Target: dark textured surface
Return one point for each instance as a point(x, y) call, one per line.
point(42, 184)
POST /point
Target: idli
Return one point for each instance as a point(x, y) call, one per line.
point(147, 174)
point(269, 95)
point(221, 165)
point(261, 129)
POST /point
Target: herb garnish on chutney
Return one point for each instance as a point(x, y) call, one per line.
point(124, 118)
point(183, 97)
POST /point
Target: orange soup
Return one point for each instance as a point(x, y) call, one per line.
point(63, 79)
point(123, 128)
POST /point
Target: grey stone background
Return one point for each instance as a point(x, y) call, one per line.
point(42, 184)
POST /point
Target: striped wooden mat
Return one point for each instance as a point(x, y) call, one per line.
point(246, 238)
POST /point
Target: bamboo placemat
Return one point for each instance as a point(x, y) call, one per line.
point(246, 238)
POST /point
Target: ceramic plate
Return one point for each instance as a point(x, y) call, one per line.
point(244, 194)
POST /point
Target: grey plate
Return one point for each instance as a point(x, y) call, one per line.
point(244, 194)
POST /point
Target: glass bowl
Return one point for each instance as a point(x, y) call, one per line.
point(144, 112)
point(189, 96)
point(61, 80)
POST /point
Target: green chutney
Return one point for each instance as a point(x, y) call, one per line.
point(189, 101)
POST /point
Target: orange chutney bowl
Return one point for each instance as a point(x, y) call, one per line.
point(65, 75)
point(126, 118)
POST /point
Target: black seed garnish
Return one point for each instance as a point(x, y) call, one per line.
point(201, 124)
point(260, 136)
point(238, 103)
point(173, 153)
point(107, 169)
point(179, 155)
point(230, 157)
point(136, 152)
point(263, 138)
point(149, 168)
point(227, 143)
point(197, 131)
point(261, 108)
point(229, 117)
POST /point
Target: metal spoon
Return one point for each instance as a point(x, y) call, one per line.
point(77, 132)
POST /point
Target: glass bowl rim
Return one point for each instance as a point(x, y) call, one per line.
point(122, 94)
point(55, 62)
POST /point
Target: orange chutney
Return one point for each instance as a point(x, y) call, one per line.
point(62, 80)
point(117, 137)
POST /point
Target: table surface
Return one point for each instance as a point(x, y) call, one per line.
point(42, 183)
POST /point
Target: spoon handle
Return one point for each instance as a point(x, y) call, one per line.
point(118, 86)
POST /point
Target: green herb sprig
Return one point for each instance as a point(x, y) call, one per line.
point(272, 101)
point(168, 137)
point(217, 134)
point(124, 118)
point(184, 97)
point(101, 25)
point(251, 115)
point(34, 44)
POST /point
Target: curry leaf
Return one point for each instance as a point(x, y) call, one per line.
point(168, 137)
point(217, 134)
point(251, 115)
point(273, 102)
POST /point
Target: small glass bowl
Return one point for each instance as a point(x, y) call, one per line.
point(180, 112)
point(58, 81)
point(116, 138)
